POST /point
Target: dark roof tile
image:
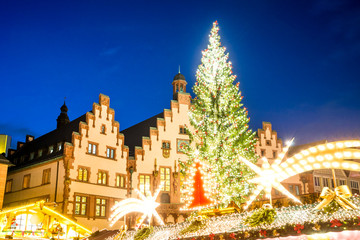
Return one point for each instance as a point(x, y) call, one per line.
point(133, 135)
point(62, 134)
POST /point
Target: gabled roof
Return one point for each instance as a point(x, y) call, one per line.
point(133, 135)
point(59, 135)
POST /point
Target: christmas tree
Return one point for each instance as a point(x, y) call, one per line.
point(220, 121)
point(199, 180)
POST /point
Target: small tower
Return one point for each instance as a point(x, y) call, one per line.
point(63, 118)
point(179, 85)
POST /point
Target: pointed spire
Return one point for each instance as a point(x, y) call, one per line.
point(64, 108)
point(179, 69)
point(63, 118)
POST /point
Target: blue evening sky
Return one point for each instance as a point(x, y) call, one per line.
point(298, 62)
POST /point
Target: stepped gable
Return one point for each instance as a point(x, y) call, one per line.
point(60, 135)
point(133, 135)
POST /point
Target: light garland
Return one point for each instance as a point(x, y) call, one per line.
point(292, 217)
point(329, 155)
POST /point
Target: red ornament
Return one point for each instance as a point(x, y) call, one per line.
point(298, 228)
point(232, 235)
point(335, 223)
point(212, 236)
point(262, 233)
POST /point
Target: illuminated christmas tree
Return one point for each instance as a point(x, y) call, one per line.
point(199, 192)
point(220, 121)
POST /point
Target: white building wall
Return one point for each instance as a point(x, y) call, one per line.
point(37, 190)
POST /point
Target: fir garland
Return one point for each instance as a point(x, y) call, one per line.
point(261, 216)
point(331, 207)
point(143, 233)
point(193, 227)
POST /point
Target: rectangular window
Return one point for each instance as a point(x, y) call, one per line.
point(342, 182)
point(263, 153)
point(354, 184)
point(182, 130)
point(83, 174)
point(8, 187)
point(274, 154)
point(332, 183)
point(165, 177)
point(40, 153)
point(144, 184)
point(103, 129)
point(291, 188)
point(46, 176)
point(297, 190)
point(51, 149)
point(317, 181)
point(26, 181)
point(120, 181)
point(92, 148)
point(100, 209)
point(325, 182)
point(32, 156)
point(102, 177)
point(110, 153)
point(80, 205)
point(166, 145)
point(59, 147)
